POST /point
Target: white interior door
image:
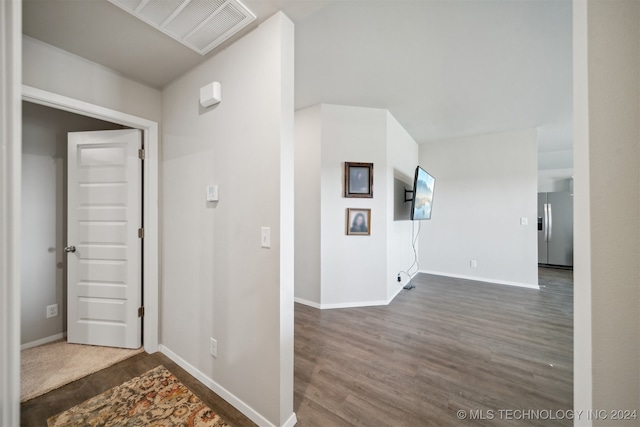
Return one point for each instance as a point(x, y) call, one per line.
point(104, 259)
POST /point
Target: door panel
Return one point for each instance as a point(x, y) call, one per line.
point(104, 285)
point(93, 232)
point(92, 195)
point(109, 272)
point(561, 241)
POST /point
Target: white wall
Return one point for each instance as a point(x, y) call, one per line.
point(353, 267)
point(216, 279)
point(484, 185)
point(402, 159)
point(607, 200)
point(44, 148)
point(49, 68)
point(308, 156)
point(555, 168)
point(334, 269)
point(555, 180)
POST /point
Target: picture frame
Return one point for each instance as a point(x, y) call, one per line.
point(358, 179)
point(358, 222)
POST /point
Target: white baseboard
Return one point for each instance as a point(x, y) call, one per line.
point(43, 341)
point(400, 286)
point(357, 303)
point(482, 279)
point(343, 305)
point(307, 302)
point(237, 403)
point(351, 304)
point(292, 421)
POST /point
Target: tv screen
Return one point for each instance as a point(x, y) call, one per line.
point(422, 202)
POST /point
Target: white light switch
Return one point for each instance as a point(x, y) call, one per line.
point(524, 221)
point(265, 237)
point(212, 193)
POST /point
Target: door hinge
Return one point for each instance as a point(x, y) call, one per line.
point(141, 153)
point(141, 311)
point(141, 233)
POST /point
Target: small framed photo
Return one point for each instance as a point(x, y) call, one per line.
point(358, 179)
point(358, 222)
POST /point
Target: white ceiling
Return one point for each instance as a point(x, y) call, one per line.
point(444, 69)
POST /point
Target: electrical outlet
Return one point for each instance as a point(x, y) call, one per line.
point(474, 263)
point(213, 349)
point(399, 279)
point(52, 310)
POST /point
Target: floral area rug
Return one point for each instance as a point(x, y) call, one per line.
point(155, 398)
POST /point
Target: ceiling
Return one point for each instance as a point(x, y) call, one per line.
point(444, 69)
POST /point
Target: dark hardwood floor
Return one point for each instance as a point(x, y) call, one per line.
point(445, 346)
point(36, 411)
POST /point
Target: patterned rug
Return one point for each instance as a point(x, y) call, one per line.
point(154, 398)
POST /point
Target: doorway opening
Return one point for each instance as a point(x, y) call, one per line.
point(44, 219)
point(150, 193)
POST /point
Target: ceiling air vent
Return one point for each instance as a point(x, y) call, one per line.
point(198, 24)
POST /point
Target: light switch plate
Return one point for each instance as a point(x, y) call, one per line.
point(212, 193)
point(265, 237)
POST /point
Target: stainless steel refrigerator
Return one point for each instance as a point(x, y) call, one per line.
point(555, 229)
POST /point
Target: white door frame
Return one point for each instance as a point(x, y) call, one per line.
point(150, 190)
point(10, 176)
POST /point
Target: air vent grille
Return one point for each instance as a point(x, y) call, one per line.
point(198, 24)
point(195, 13)
point(129, 5)
point(157, 11)
point(229, 17)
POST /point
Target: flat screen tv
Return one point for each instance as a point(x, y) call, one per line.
point(422, 202)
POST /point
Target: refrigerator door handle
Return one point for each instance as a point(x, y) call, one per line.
point(545, 223)
point(550, 224)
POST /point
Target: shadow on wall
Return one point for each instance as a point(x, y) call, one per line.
point(401, 209)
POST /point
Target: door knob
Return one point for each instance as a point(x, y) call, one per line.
point(70, 249)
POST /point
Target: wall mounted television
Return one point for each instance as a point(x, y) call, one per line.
point(422, 201)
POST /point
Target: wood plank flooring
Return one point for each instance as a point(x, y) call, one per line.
point(36, 411)
point(447, 345)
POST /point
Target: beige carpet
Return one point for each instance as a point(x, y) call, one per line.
point(53, 365)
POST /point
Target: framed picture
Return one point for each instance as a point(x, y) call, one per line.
point(358, 222)
point(358, 179)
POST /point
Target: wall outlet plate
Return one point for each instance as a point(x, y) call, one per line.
point(52, 310)
point(213, 349)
